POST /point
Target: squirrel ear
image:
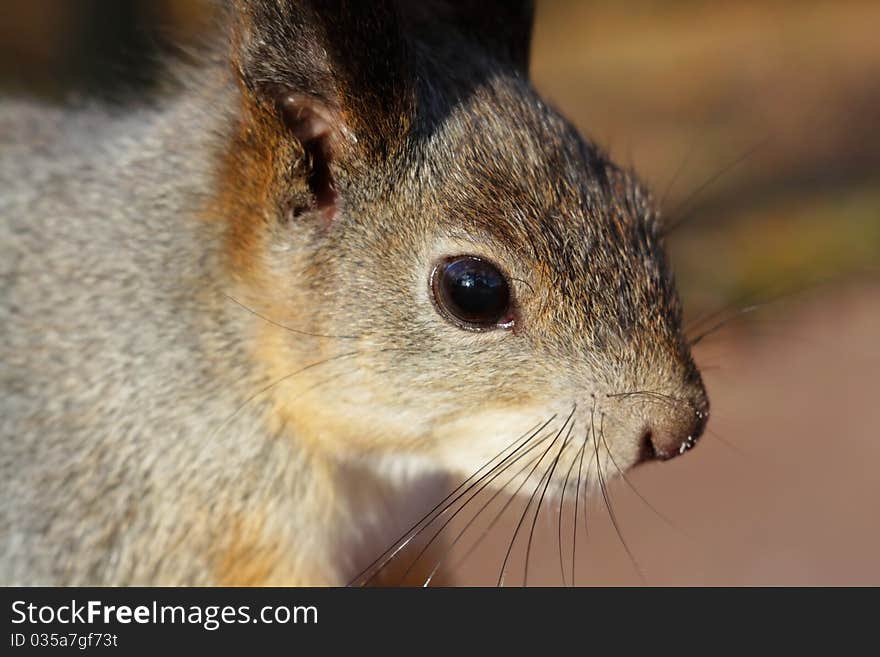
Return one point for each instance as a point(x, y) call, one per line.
point(334, 67)
point(317, 128)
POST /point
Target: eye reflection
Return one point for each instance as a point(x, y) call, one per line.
point(472, 292)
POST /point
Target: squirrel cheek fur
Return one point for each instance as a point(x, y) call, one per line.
point(366, 143)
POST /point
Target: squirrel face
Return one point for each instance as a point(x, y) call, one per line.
point(437, 262)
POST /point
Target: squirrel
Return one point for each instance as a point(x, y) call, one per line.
point(252, 327)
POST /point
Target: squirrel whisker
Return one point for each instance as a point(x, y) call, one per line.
point(465, 503)
point(268, 387)
point(541, 500)
point(685, 210)
point(283, 326)
point(525, 511)
point(559, 521)
point(608, 506)
point(376, 567)
point(638, 493)
point(650, 394)
point(577, 495)
point(501, 489)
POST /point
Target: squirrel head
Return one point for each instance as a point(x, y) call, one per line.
point(437, 262)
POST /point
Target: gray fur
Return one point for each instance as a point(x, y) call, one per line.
point(96, 421)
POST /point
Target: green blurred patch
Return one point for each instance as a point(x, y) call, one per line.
point(781, 246)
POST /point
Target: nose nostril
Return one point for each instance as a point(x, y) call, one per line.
point(647, 451)
point(671, 433)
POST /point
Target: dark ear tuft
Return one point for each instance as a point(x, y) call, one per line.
point(501, 27)
point(338, 75)
point(345, 54)
point(505, 25)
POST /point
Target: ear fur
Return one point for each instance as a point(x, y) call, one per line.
point(348, 57)
point(339, 74)
point(502, 27)
point(355, 57)
point(318, 130)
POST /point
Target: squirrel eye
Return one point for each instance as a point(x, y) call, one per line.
point(473, 293)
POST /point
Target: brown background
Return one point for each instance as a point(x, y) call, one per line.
point(756, 124)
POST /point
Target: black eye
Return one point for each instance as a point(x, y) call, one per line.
point(472, 292)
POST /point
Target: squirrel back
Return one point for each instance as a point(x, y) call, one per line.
point(109, 354)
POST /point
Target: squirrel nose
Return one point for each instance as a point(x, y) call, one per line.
point(675, 430)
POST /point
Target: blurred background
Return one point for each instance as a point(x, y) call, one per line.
point(755, 123)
